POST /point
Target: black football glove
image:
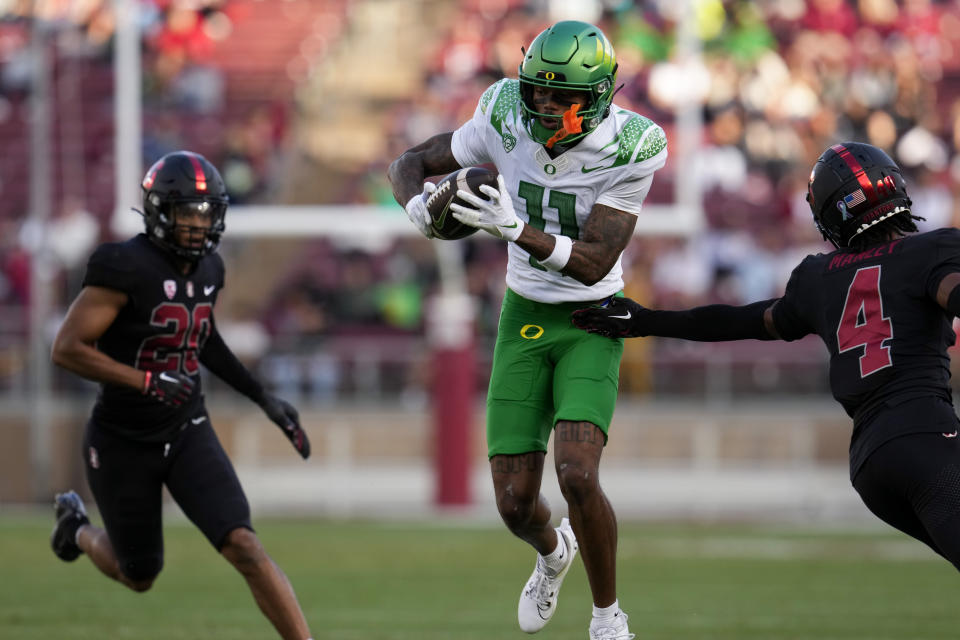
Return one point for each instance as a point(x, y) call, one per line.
point(618, 318)
point(286, 417)
point(169, 387)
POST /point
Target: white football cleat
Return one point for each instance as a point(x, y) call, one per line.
point(614, 629)
point(538, 600)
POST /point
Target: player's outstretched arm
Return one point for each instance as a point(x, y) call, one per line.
point(625, 318)
point(88, 318)
point(221, 361)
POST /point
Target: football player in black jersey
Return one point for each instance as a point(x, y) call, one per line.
point(883, 304)
point(141, 326)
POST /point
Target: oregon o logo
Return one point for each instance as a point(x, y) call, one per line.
point(549, 169)
point(550, 75)
point(531, 331)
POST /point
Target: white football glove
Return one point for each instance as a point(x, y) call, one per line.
point(416, 209)
point(495, 216)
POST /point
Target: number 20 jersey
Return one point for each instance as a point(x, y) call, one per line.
point(877, 313)
point(163, 327)
point(613, 165)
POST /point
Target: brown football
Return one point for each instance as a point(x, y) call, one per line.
point(442, 222)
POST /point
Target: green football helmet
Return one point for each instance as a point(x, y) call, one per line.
point(569, 55)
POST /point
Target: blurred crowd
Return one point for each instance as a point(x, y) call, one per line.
point(774, 82)
point(76, 37)
point(777, 82)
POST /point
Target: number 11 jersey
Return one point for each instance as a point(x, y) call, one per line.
point(613, 165)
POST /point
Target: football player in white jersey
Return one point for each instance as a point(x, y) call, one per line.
point(574, 169)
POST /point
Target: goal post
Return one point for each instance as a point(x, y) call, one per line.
point(346, 221)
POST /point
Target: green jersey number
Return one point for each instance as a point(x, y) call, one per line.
point(564, 203)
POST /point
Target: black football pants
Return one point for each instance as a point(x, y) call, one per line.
point(913, 483)
point(126, 478)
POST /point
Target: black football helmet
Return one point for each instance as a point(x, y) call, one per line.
point(184, 182)
point(853, 187)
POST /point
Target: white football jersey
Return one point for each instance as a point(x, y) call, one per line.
point(613, 165)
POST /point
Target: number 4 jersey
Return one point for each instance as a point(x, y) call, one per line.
point(876, 311)
point(163, 327)
point(613, 165)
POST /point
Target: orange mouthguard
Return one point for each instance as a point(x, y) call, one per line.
point(571, 124)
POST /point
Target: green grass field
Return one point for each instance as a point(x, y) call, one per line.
point(408, 581)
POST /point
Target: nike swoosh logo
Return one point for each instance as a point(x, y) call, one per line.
point(512, 226)
point(166, 378)
point(438, 222)
point(199, 420)
point(615, 141)
point(623, 317)
point(584, 169)
point(949, 435)
point(208, 290)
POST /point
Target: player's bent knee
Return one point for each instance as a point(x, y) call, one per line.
point(140, 573)
point(140, 586)
point(515, 512)
point(577, 482)
point(242, 548)
point(947, 543)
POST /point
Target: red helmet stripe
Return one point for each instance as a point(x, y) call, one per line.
point(858, 171)
point(198, 172)
point(152, 175)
